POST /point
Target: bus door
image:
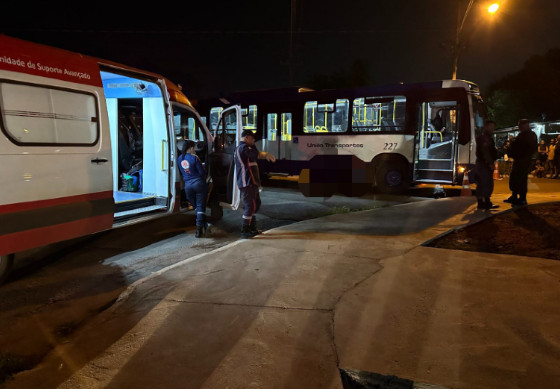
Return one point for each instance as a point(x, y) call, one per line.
point(436, 143)
point(225, 192)
point(278, 135)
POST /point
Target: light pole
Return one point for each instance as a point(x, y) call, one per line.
point(460, 23)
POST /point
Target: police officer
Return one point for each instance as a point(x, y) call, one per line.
point(248, 180)
point(196, 188)
point(522, 149)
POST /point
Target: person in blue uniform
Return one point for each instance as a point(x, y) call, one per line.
point(248, 180)
point(196, 188)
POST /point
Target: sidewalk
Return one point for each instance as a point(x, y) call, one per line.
point(355, 291)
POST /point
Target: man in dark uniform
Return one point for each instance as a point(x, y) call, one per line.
point(486, 154)
point(248, 180)
point(522, 149)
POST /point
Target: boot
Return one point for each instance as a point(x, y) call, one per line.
point(511, 199)
point(207, 228)
point(246, 232)
point(481, 204)
point(253, 227)
point(199, 232)
point(488, 204)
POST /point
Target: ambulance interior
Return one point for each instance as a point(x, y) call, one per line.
point(139, 143)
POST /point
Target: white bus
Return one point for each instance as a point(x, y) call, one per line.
point(88, 144)
point(347, 140)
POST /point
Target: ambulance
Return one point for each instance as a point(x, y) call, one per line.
point(87, 145)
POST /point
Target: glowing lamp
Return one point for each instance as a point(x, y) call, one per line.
point(493, 8)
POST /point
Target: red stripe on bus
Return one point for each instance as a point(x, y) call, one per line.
point(29, 205)
point(36, 237)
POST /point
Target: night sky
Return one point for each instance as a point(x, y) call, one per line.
point(212, 48)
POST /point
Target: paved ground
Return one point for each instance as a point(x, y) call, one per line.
point(57, 289)
point(353, 290)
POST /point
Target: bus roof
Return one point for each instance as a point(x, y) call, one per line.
point(46, 61)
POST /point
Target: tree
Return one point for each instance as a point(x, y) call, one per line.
point(533, 92)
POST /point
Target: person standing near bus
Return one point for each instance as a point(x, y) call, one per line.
point(523, 147)
point(556, 161)
point(196, 188)
point(549, 164)
point(248, 180)
point(486, 155)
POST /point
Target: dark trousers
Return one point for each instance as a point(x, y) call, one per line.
point(197, 192)
point(484, 179)
point(251, 202)
point(518, 178)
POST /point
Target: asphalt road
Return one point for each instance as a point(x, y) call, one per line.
point(56, 289)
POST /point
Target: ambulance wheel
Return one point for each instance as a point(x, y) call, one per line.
point(392, 177)
point(6, 262)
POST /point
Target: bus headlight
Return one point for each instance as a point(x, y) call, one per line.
point(461, 169)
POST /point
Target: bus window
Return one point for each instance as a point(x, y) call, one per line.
point(319, 118)
point(249, 118)
point(271, 126)
point(376, 114)
point(286, 126)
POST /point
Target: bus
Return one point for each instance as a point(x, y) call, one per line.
point(348, 140)
point(88, 145)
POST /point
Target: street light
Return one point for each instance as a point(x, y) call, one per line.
point(493, 8)
point(460, 23)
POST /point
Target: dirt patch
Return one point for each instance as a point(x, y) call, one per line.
point(13, 363)
point(532, 231)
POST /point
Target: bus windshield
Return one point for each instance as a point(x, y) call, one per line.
point(480, 114)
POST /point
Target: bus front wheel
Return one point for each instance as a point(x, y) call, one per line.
point(392, 177)
point(6, 262)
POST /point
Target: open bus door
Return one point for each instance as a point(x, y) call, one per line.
point(442, 125)
point(225, 193)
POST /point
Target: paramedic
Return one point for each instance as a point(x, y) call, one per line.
point(248, 180)
point(196, 188)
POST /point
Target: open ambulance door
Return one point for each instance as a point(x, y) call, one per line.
point(225, 193)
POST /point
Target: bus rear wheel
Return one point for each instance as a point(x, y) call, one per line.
point(392, 177)
point(6, 262)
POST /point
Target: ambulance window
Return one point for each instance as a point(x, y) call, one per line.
point(37, 115)
point(225, 138)
point(186, 124)
point(214, 117)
